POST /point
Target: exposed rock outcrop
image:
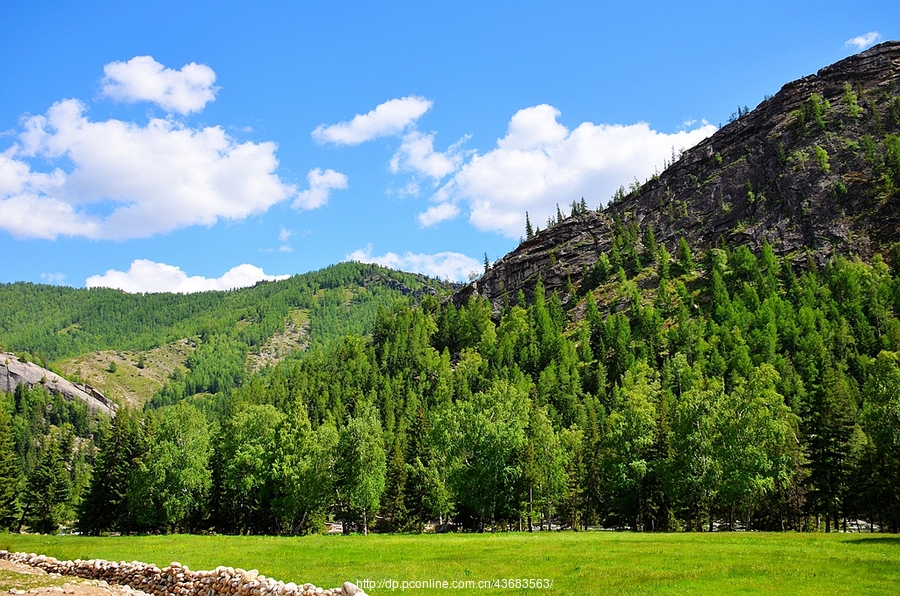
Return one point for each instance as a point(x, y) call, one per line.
point(804, 171)
point(14, 372)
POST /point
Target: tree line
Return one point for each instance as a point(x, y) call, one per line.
point(731, 390)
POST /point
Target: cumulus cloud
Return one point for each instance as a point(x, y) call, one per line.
point(130, 181)
point(417, 154)
point(540, 163)
point(320, 186)
point(144, 79)
point(147, 277)
point(444, 265)
point(438, 213)
point(389, 118)
point(862, 42)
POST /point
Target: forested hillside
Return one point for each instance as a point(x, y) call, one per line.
point(723, 390)
point(813, 169)
point(53, 322)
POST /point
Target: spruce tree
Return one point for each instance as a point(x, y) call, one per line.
point(47, 490)
point(10, 476)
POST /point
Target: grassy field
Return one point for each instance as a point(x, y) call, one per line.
point(576, 563)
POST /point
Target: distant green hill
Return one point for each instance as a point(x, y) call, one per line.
point(260, 325)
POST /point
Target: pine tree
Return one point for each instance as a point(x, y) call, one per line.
point(685, 258)
point(651, 247)
point(10, 476)
point(120, 447)
point(393, 501)
point(47, 490)
point(829, 427)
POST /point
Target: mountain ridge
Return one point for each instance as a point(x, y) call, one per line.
point(806, 171)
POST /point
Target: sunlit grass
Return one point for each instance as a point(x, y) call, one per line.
point(577, 563)
point(25, 581)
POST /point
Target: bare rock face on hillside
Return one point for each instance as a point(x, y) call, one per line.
point(14, 372)
point(812, 171)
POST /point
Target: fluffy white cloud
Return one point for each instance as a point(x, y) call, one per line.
point(417, 154)
point(438, 213)
point(444, 265)
point(320, 186)
point(389, 118)
point(863, 42)
point(540, 163)
point(144, 79)
point(128, 180)
point(148, 276)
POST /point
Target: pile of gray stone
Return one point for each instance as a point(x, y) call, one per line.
point(177, 579)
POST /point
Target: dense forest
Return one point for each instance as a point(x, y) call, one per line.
point(722, 390)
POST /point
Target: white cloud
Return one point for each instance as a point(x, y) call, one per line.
point(417, 154)
point(540, 163)
point(128, 180)
point(444, 265)
point(144, 79)
point(438, 213)
point(863, 42)
point(410, 190)
point(389, 118)
point(320, 186)
point(54, 278)
point(284, 235)
point(148, 276)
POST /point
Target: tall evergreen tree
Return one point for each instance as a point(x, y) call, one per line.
point(47, 490)
point(10, 475)
point(121, 446)
point(829, 428)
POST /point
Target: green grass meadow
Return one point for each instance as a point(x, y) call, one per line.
point(577, 563)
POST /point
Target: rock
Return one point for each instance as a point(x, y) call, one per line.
point(351, 589)
point(14, 372)
point(174, 580)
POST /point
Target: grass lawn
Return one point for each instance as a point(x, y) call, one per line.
point(577, 563)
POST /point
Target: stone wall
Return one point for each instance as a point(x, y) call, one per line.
point(177, 579)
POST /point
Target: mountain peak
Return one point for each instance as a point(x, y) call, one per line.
point(813, 171)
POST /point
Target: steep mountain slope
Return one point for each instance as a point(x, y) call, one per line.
point(814, 170)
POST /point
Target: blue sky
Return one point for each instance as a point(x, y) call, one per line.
point(184, 146)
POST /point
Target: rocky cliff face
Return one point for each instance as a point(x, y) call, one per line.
point(813, 170)
point(14, 372)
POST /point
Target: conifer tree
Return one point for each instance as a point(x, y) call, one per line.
point(121, 446)
point(10, 477)
point(685, 258)
point(47, 490)
point(829, 427)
